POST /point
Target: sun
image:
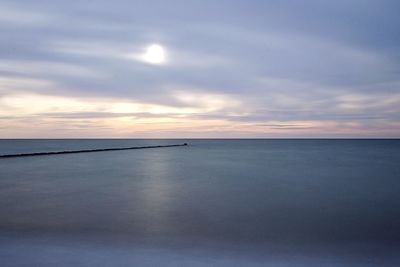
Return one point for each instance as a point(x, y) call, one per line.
point(154, 54)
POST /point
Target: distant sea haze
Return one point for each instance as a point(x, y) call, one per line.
point(307, 202)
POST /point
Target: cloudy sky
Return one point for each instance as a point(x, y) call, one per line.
point(221, 68)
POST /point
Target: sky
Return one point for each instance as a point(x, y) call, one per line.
point(221, 69)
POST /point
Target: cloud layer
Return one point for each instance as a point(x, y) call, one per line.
point(234, 69)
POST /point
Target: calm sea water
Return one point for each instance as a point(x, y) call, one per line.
point(212, 203)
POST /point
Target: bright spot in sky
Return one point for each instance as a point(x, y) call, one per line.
point(154, 54)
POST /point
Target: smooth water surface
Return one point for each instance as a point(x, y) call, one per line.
point(212, 203)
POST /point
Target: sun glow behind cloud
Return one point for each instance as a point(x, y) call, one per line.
point(154, 54)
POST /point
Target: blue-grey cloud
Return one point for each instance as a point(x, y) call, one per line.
point(285, 60)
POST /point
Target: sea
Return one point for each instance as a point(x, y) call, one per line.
point(214, 202)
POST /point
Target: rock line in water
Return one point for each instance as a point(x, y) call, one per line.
point(84, 151)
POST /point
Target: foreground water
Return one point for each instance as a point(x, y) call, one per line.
point(213, 203)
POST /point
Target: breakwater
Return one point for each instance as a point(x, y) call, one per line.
point(85, 151)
